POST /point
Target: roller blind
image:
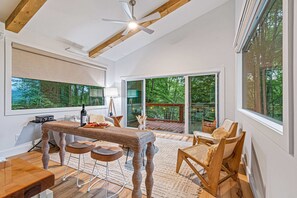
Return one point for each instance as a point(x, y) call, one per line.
point(32, 63)
point(249, 15)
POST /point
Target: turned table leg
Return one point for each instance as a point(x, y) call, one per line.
point(62, 148)
point(149, 181)
point(45, 148)
point(137, 177)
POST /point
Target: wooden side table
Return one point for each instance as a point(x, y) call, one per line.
point(117, 120)
point(19, 178)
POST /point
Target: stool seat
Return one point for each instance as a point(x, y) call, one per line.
point(80, 147)
point(107, 153)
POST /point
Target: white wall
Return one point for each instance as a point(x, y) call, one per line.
point(201, 45)
point(12, 125)
point(278, 167)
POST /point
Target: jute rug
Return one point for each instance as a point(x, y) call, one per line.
point(167, 183)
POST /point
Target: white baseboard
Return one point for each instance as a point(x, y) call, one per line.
point(16, 150)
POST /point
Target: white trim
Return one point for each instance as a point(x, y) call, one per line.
point(244, 27)
point(264, 121)
point(16, 150)
point(143, 112)
point(280, 134)
point(288, 90)
point(124, 101)
point(219, 71)
point(187, 105)
point(9, 112)
point(295, 76)
point(8, 96)
point(190, 73)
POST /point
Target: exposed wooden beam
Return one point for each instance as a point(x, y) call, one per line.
point(22, 14)
point(164, 10)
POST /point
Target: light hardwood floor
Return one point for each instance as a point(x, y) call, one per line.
point(228, 189)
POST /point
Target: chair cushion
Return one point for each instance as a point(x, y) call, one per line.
point(107, 153)
point(220, 133)
point(227, 124)
point(202, 134)
point(80, 147)
point(210, 152)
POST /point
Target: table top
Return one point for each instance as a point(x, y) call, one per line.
point(127, 136)
point(19, 178)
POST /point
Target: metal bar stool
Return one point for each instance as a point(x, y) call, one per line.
point(107, 154)
point(80, 148)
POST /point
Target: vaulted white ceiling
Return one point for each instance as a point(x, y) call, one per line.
point(78, 23)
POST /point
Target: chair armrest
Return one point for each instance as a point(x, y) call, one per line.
point(201, 137)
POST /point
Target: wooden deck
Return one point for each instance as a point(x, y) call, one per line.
point(174, 127)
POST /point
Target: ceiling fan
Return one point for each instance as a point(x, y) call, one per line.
point(133, 23)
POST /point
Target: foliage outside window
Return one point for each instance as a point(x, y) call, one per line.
point(165, 98)
point(36, 94)
point(262, 65)
point(202, 101)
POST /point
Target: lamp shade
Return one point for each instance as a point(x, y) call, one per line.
point(111, 92)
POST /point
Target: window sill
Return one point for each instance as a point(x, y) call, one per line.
point(264, 121)
point(50, 110)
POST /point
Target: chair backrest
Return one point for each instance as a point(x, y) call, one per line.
point(231, 145)
point(229, 148)
point(227, 156)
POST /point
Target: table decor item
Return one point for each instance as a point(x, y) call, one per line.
point(141, 121)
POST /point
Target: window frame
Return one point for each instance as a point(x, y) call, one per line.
point(280, 134)
point(8, 86)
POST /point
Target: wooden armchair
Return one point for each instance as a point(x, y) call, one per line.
point(202, 137)
point(225, 156)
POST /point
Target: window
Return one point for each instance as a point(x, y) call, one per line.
point(36, 94)
point(262, 64)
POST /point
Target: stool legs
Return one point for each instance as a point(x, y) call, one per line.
point(78, 170)
point(106, 179)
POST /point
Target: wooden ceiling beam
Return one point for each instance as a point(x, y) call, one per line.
point(164, 10)
point(22, 14)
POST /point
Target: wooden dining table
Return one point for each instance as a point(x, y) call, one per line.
point(135, 139)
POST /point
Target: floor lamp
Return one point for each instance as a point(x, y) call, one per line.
point(112, 93)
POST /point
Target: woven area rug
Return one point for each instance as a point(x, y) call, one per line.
point(167, 183)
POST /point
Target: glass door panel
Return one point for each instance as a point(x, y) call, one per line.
point(134, 102)
point(165, 104)
point(202, 103)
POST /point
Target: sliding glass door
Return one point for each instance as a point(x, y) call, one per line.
point(202, 103)
point(178, 104)
point(135, 96)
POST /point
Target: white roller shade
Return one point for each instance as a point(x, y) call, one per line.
point(248, 17)
point(31, 63)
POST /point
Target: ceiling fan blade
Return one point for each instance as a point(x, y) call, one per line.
point(115, 21)
point(127, 30)
point(151, 17)
point(126, 8)
point(147, 30)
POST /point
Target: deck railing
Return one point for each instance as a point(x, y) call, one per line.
point(165, 112)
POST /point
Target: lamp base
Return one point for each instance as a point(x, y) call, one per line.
point(111, 108)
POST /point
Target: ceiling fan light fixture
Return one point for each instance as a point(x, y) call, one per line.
point(132, 25)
